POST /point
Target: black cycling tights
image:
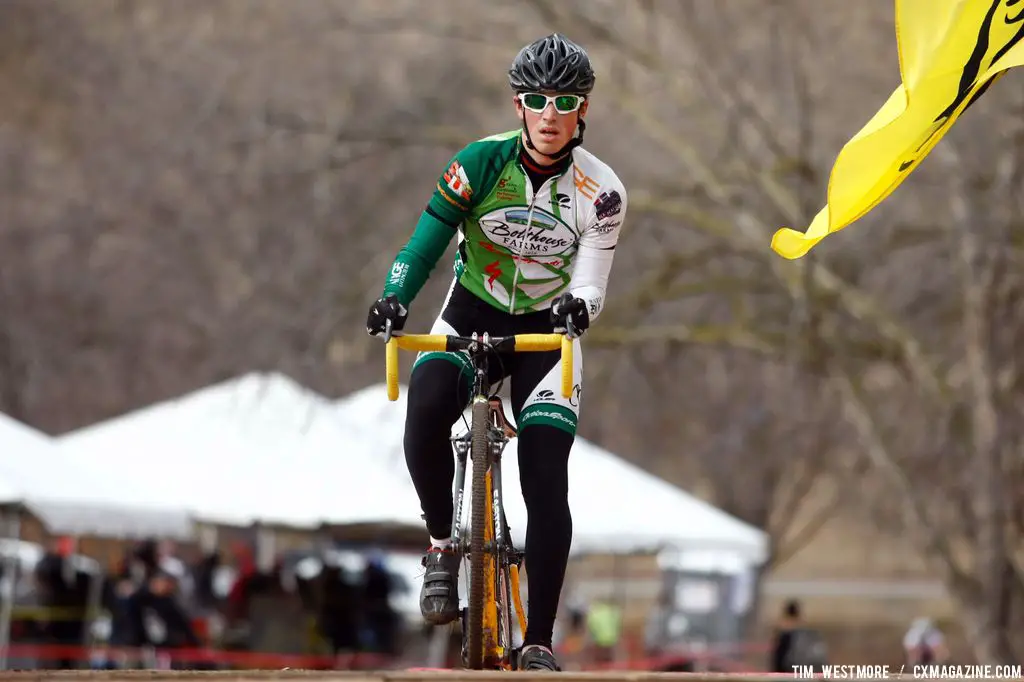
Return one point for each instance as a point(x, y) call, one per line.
point(437, 398)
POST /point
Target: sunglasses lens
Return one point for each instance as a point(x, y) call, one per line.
point(534, 101)
point(566, 103)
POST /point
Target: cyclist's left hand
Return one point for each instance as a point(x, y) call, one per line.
point(570, 315)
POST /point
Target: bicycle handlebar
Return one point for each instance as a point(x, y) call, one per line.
point(519, 343)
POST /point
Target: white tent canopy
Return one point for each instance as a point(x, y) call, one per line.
point(616, 506)
point(70, 497)
point(262, 448)
point(8, 492)
point(259, 448)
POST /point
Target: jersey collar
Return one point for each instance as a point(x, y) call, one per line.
point(527, 164)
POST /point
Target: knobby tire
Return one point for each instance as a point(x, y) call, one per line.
point(481, 455)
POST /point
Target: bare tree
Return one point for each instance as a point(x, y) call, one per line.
point(196, 197)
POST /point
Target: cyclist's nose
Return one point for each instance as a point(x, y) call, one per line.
point(549, 115)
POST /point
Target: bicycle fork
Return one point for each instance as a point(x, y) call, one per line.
point(462, 445)
point(502, 588)
point(508, 560)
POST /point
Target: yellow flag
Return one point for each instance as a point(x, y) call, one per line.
point(950, 52)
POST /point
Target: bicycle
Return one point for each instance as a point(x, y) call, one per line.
point(493, 559)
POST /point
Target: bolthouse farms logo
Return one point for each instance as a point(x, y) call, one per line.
point(539, 235)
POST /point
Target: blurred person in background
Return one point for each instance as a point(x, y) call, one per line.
point(339, 610)
point(169, 562)
point(145, 559)
point(236, 606)
point(924, 643)
point(538, 220)
point(204, 577)
point(64, 595)
point(795, 643)
point(379, 617)
point(155, 618)
point(571, 637)
point(604, 625)
point(117, 594)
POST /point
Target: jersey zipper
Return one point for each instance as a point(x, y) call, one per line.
point(529, 226)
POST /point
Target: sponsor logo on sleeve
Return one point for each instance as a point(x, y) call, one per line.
point(608, 204)
point(457, 182)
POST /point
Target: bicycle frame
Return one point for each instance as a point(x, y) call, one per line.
point(501, 561)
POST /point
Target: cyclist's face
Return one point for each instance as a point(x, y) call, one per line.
point(550, 130)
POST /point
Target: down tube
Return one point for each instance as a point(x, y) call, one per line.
point(496, 504)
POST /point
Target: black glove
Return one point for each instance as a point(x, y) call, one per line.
point(570, 315)
point(382, 310)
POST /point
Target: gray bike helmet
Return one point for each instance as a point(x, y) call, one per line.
point(552, 63)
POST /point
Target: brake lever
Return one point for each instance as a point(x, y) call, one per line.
point(570, 329)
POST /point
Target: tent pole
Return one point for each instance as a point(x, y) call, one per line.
point(621, 565)
point(11, 569)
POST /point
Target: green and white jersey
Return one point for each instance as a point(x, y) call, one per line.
point(518, 249)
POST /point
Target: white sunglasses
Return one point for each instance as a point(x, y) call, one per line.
point(538, 102)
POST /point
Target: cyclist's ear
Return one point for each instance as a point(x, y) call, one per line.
point(583, 108)
point(519, 106)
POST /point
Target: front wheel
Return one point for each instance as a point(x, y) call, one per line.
point(480, 453)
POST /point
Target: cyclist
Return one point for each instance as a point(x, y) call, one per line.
point(538, 218)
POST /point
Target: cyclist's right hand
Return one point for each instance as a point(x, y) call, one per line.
point(382, 310)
